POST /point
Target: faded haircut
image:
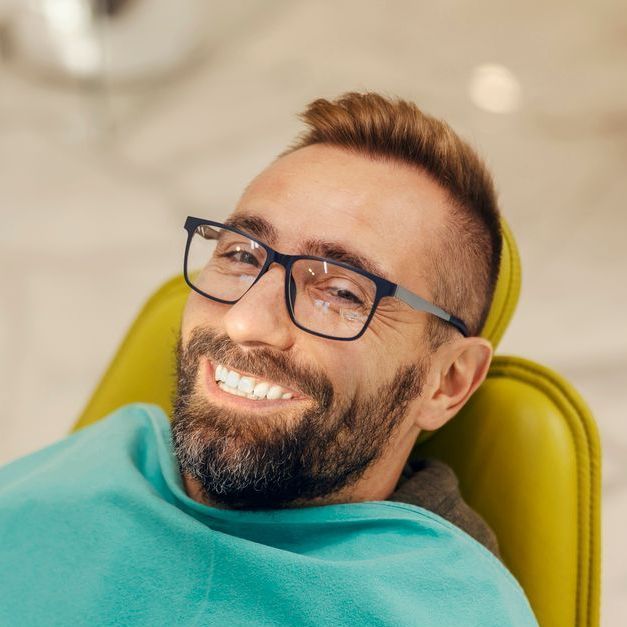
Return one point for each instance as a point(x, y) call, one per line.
point(463, 262)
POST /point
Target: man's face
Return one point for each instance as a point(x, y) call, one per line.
point(352, 399)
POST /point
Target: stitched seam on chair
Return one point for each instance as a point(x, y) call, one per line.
point(551, 383)
point(511, 371)
point(592, 476)
point(515, 279)
point(508, 306)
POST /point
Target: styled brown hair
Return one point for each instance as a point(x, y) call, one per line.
point(464, 261)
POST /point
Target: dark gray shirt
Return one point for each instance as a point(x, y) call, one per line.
point(432, 484)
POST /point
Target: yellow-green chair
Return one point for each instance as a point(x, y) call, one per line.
point(525, 448)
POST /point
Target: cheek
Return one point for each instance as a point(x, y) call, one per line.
point(354, 368)
point(381, 362)
point(198, 312)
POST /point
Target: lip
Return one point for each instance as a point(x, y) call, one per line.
point(241, 401)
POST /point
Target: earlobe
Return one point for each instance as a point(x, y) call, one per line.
point(463, 370)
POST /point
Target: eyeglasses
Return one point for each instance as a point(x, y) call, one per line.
point(324, 297)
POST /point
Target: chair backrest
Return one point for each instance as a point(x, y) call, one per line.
point(525, 449)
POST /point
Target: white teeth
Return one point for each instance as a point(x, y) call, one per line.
point(242, 385)
point(246, 385)
point(261, 389)
point(232, 379)
point(226, 388)
point(222, 373)
point(275, 392)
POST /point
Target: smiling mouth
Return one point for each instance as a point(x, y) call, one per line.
point(246, 390)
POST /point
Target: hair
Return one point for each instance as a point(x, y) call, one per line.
point(464, 261)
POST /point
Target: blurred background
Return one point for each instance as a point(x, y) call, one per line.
point(119, 118)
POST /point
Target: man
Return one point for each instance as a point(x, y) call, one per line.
point(332, 317)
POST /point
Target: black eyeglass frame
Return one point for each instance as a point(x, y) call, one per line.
point(384, 287)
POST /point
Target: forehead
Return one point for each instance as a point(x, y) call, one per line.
point(383, 210)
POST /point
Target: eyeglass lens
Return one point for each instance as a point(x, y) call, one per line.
point(324, 297)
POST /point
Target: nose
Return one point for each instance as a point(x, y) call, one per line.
point(260, 316)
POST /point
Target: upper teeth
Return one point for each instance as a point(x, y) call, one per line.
point(243, 385)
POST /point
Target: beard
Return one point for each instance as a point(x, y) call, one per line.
point(248, 460)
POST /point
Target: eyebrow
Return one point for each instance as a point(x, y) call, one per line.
point(340, 252)
point(260, 227)
point(255, 226)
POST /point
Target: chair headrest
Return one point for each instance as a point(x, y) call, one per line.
point(507, 289)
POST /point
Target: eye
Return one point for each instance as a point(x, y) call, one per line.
point(244, 257)
point(340, 295)
point(346, 295)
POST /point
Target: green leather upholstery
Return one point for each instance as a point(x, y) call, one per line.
point(525, 449)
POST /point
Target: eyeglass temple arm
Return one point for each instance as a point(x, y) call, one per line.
point(416, 302)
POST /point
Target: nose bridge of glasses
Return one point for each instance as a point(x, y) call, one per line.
point(280, 260)
point(274, 258)
point(285, 261)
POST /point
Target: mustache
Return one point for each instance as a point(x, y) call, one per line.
point(266, 363)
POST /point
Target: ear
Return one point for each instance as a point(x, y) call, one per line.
point(457, 370)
